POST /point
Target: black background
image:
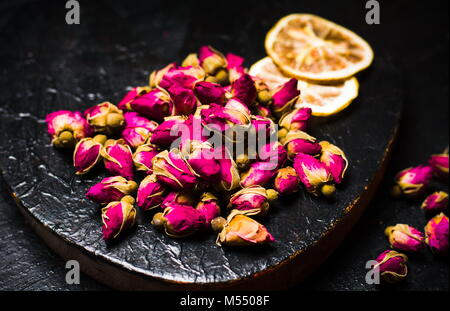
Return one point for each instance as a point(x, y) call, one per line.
point(413, 33)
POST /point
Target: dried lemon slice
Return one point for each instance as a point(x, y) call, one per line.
point(323, 99)
point(309, 47)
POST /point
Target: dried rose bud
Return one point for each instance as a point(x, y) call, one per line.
point(150, 193)
point(133, 119)
point(229, 174)
point(118, 158)
point(111, 189)
point(404, 238)
point(284, 97)
point(286, 181)
point(436, 234)
point(167, 132)
point(335, 161)
point(173, 170)
point(235, 66)
point(200, 156)
point(124, 104)
point(392, 266)
point(273, 153)
point(105, 118)
point(181, 220)
point(137, 130)
point(220, 118)
point(252, 198)
point(66, 128)
point(209, 207)
point(143, 157)
point(86, 154)
point(209, 93)
point(118, 217)
point(439, 163)
point(262, 126)
point(157, 75)
point(191, 60)
point(184, 100)
point(297, 142)
point(243, 89)
point(263, 111)
point(435, 202)
point(184, 77)
point(295, 120)
point(314, 175)
point(178, 197)
point(236, 104)
point(241, 230)
point(259, 173)
point(156, 104)
point(211, 60)
point(412, 182)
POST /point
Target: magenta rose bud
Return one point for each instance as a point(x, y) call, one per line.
point(254, 198)
point(262, 126)
point(314, 175)
point(157, 75)
point(284, 97)
point(178, 197)
point(143, 156)
point(86, 155)
point(137, 130)
point(118, 158)
point(296, 120)
point(436, 234)
point(111, 189)
point(229, 174)
point(173, 170)
point(435, 202)
point(211, 60)
point(286, 181)
point(235, 104)
point(105, 118)
point(200, 156)
point(182, 220)
point(209, 207)
point(156, 104)
point(244, 90)
point(335, 160)
point(124, 104)
point(235, 66)
point(263, 111)
point(259, 173)
point(439, 163)
point(392, 266)
point(297, 142)
point(221, 118)
point(117, 217)
point(412, 182)
point(67, 128)
point(274, 153)
point(209, 93)
point(405, 238)
point(184, 100)
point(183, 77)
point(167, 132)
point(133, 119)
point(150, 193)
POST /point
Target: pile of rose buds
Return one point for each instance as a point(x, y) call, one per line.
point(414, 182)
point(191, 182)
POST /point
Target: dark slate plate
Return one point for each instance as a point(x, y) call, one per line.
point(51, 66)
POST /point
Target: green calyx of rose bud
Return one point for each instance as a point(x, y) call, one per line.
point(191, 60)
point(218, 223)
point(272, 195)
point(65, 139)
point(212, 79)
point(128, 199)
point(328, 190)
point(158, 221)
point(115, 120)
point(100, 138)
point(242, 161)
point(282, 134)
point(222, 77)
point(264, 97)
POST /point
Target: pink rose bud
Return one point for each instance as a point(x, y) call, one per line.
point(182, 220)
point(436, 233)
point(185, 102)
point(262, 126)
point(314, 175)
point(168, 131)
point(243, 89)
point(156, 104)
point(66, 128)
point(178, 197)
point(118, 158)
point(150, 193)
point(284, 97)
point(335, 161)
point(235, 66)
point(241, 230)
point(435, 202)
point(209, 207)
point(259, 173)
point(211, 60)
point(173, 170)
point(229, 174)
point(184, 77)
point(143, 157)
point(133, 119)
point(297, 142)
point(124, 104)
point(405, 238)
point(111, 189)
point(235, 104)
point(412, 182)
point(86, 155)
point(105, 118)
point(439, 163)
point(296, 120)
point(274, 153)
point(137, 130)
point(263, 111)
point(221, 119)
point(200, 156)
point(209, 93)
point(157, 75)
point(252, 198)
point(118, 217)
point(392, 266)
point(286, 181)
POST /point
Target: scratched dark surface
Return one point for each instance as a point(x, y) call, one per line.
point(48, 65)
